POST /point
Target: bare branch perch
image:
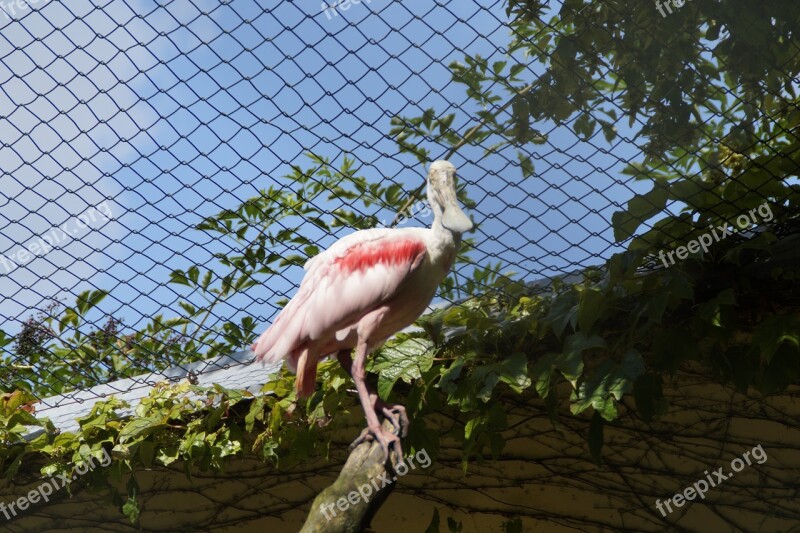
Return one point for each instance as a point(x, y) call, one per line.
point(348, 505)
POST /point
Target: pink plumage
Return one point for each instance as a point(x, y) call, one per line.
point(342, 284)
point(363, 289)
point(402, 251)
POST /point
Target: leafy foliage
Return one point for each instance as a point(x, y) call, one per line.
point(597, 348)
point(587, 353)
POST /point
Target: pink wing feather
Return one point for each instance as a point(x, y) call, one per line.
point(354, 276)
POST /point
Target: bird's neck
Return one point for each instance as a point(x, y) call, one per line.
point(445, 243)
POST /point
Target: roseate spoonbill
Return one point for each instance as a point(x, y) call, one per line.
point(366, 287)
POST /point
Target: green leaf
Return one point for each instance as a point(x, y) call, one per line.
point(563, 311)
point(609, 130)
point(585, 126)
point(516, 69)
point(193, 274)
point(712, 34)
point(632, 366)
point(521, 118)
point(120, 452)
point(139, 426)
point(607, 383)
point(570, 361)
point(647, 393)
point(189, 308)
point(207, 279)
point(471, 425)
point(131, 507)
point(773, 332)
point(526, 165)
point(179, 277)
point(147, 453)
point(513, 371)
point(433, 527)
point(513, 525)
point(591, 306)
point(542, 371)
point(640, 208)
point(695, 193)
point(168, 454)
point(405, 361)
point(450, 375)
point(5, 340)
point(88, 300)
point(783, 369)
point(712, 310)
point(454, 526)
point(10, 402)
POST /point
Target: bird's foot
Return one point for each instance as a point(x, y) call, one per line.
point(366, 436)
point(384, 438)
point(396, 414)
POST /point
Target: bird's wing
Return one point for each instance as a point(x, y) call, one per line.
point(352, 277)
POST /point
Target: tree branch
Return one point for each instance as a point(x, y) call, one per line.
point(348, 505)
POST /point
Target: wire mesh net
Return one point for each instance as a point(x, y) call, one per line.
point(135, 134)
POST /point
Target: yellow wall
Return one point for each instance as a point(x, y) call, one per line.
point(545, 477)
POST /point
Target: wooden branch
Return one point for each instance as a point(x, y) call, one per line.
point(348, 505)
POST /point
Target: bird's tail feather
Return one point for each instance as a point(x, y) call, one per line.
point(265, 346)
point(284, 335)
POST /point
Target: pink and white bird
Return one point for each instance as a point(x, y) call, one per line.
point(363, 289)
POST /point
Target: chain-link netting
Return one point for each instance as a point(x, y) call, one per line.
point(133, 132)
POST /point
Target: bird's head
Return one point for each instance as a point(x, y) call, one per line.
point(442, 196)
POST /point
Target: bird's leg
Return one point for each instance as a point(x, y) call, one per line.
point(395, 413)
point(368, 401)
point(347, 363)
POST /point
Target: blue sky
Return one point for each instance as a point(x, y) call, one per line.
point(172, 112)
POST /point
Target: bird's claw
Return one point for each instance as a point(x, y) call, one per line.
point(384, 438)
point(366, 436)
point(396, 414)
